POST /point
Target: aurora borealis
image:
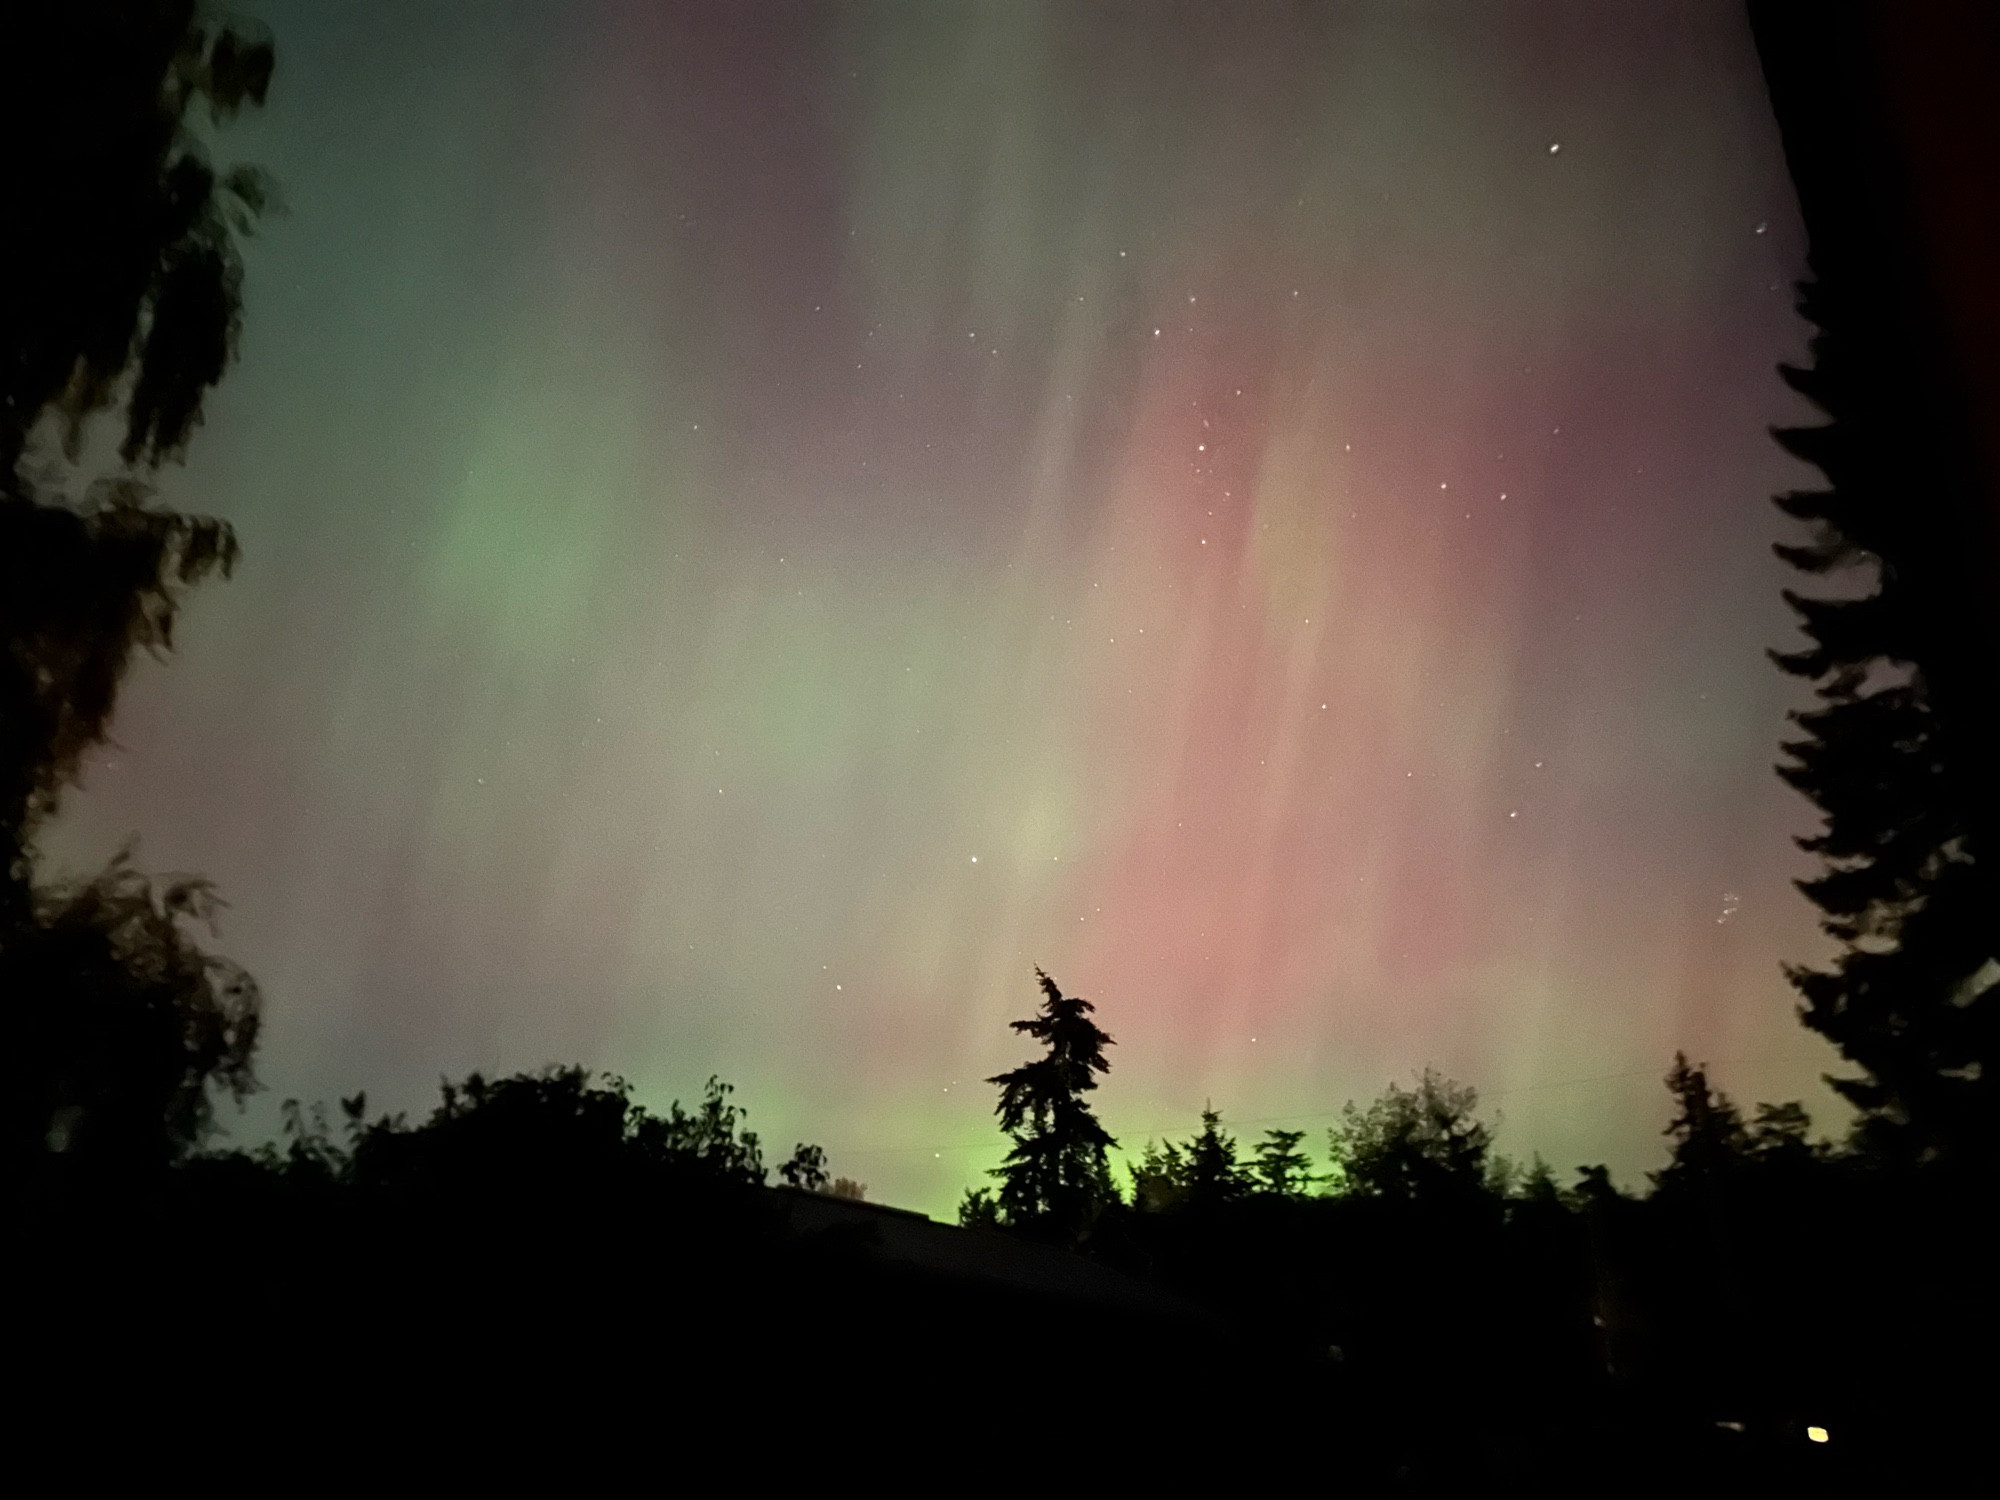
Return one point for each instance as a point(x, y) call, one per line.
point(763, 523)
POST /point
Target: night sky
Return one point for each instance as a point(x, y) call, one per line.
point(764, 523)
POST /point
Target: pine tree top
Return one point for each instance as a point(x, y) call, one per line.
point(1069, 1067)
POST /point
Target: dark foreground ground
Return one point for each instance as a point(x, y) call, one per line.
point(737, 1336)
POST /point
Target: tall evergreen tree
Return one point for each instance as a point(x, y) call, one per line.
point(1056, 1179)
point(1159, 1178)
point(1706, 1129)
point(1279, 1167)
point(1214, 1176)
point(1904, 654)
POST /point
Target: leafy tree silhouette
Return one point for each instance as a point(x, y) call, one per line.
point(1278, 1167)
point(806, 1170)
point(1419, 1144)
point(1055, 1180)
point(120, 281)
point(560, 1128)
point(1904, 649)
point(131, 1022)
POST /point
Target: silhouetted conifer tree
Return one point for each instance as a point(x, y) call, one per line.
point(1538, 1183)
point(1899, 751)
point(1706, 1129)
point(1056, 1178)
point(1159, 1178)
point(1779, 1135)
point(1214, 1176)
point(1279, 1167)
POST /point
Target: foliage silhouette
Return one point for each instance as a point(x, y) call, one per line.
point(121, 283)
point(1203, 1174)
point(559, 1128)
point(1278, 1167)
point(118, 1072)
point(805, 1170)
point(1419, 1143)
point(120, 287)
point(1056, 1179)
point(1159, 1178)
point(1214, 1177)
point(1904, 649)
point(1706, 1130)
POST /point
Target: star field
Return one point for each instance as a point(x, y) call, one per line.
point(763, 523)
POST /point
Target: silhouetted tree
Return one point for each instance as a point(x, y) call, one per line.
point(119, 1023)
point(710, 1138)
point(1279, 1167)
point(978, 1209)
point(1706, 1129)
point(1593, 1188)
point(1904, 651)
point(119, 287)
point(1159, 1178)
point(1213, 1175)
point(806, 1169)
point(1056, 1178)
point(561, 1129)
point(120, 275)
point(1538, 1183)
point(1424, 1143)
point(1779, 1136)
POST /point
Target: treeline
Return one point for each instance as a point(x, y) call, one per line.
point(1767, 1296)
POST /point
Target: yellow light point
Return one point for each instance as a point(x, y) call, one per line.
point(1816, 1434)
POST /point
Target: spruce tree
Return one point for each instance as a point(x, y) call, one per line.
point(1279, 1167)
point(1904, 652)
point(1056, 1179)
point(1911, 998)
point(1214, 1176)
point(1706, 1129)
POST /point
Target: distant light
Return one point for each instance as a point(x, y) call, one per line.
point(1554, 147)
point(975, 859)
point(1816, 1434)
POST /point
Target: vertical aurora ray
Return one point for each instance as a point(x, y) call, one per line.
point(764, 523)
